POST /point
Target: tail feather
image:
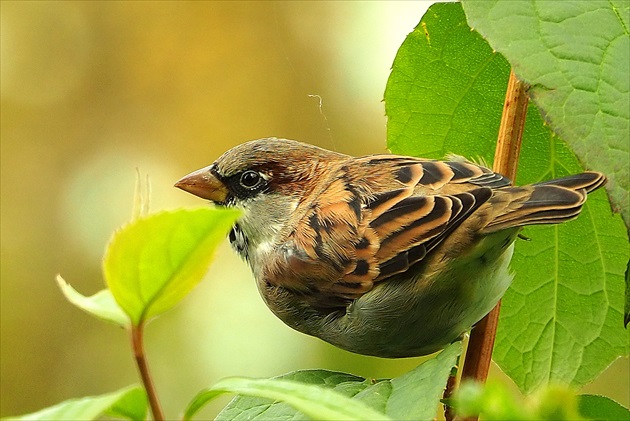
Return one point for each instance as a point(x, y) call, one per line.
point(549, 202)
point(588, 181)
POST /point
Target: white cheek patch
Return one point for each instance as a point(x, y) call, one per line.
point(264, 220)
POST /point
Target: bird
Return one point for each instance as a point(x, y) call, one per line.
point(382, 255)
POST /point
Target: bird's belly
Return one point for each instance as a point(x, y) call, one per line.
point(402, 318)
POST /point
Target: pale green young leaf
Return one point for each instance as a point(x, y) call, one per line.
point(493, 401)
point(154, 261)
point(129, 402)
point(100, 305)
point(576, 56)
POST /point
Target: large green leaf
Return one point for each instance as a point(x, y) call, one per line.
point(154, 261)
point(567, 295)
point(576, 56)
point(562, 319)
point(445, 92)
point(130, 403)
point(415, 395)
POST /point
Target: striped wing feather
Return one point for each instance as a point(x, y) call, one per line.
point(392, 229)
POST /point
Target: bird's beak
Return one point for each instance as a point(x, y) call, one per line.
point(203, 183)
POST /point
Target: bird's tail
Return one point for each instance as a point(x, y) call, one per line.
point(549, 202)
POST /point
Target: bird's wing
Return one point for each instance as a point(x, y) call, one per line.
point(366, 229)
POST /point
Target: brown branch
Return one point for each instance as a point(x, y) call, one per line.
point(143, 367)
point(511, 129)
point(481, 343)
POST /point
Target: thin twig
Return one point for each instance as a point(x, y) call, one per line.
point(479, 353)
point(145, 374)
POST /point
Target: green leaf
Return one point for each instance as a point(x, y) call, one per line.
point(576, 56)
point(314, 401)
point(154, 261)
point(256, 408)
point(129, 402)
point(602, 408)
point(100, 305)
point(415, 395)
point(445, 92)
point(567, 296)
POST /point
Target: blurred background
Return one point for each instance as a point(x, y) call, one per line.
point(92, 91)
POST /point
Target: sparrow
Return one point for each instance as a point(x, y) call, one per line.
point(383, 255)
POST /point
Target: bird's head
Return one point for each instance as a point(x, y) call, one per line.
point(266, 178)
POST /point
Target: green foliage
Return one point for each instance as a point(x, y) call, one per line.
point(567, 295)
point(153, 262)
point(493, 401)
point(150, 265)
point(414, 395)
point(100, 305)
point(575, 56)
point(129, 403)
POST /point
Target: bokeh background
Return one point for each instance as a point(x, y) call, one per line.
point(94, 91)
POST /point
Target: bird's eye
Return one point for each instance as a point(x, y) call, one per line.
point(250, 179)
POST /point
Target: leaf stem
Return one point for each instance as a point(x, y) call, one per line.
point(137, 334)
point(479, 352)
